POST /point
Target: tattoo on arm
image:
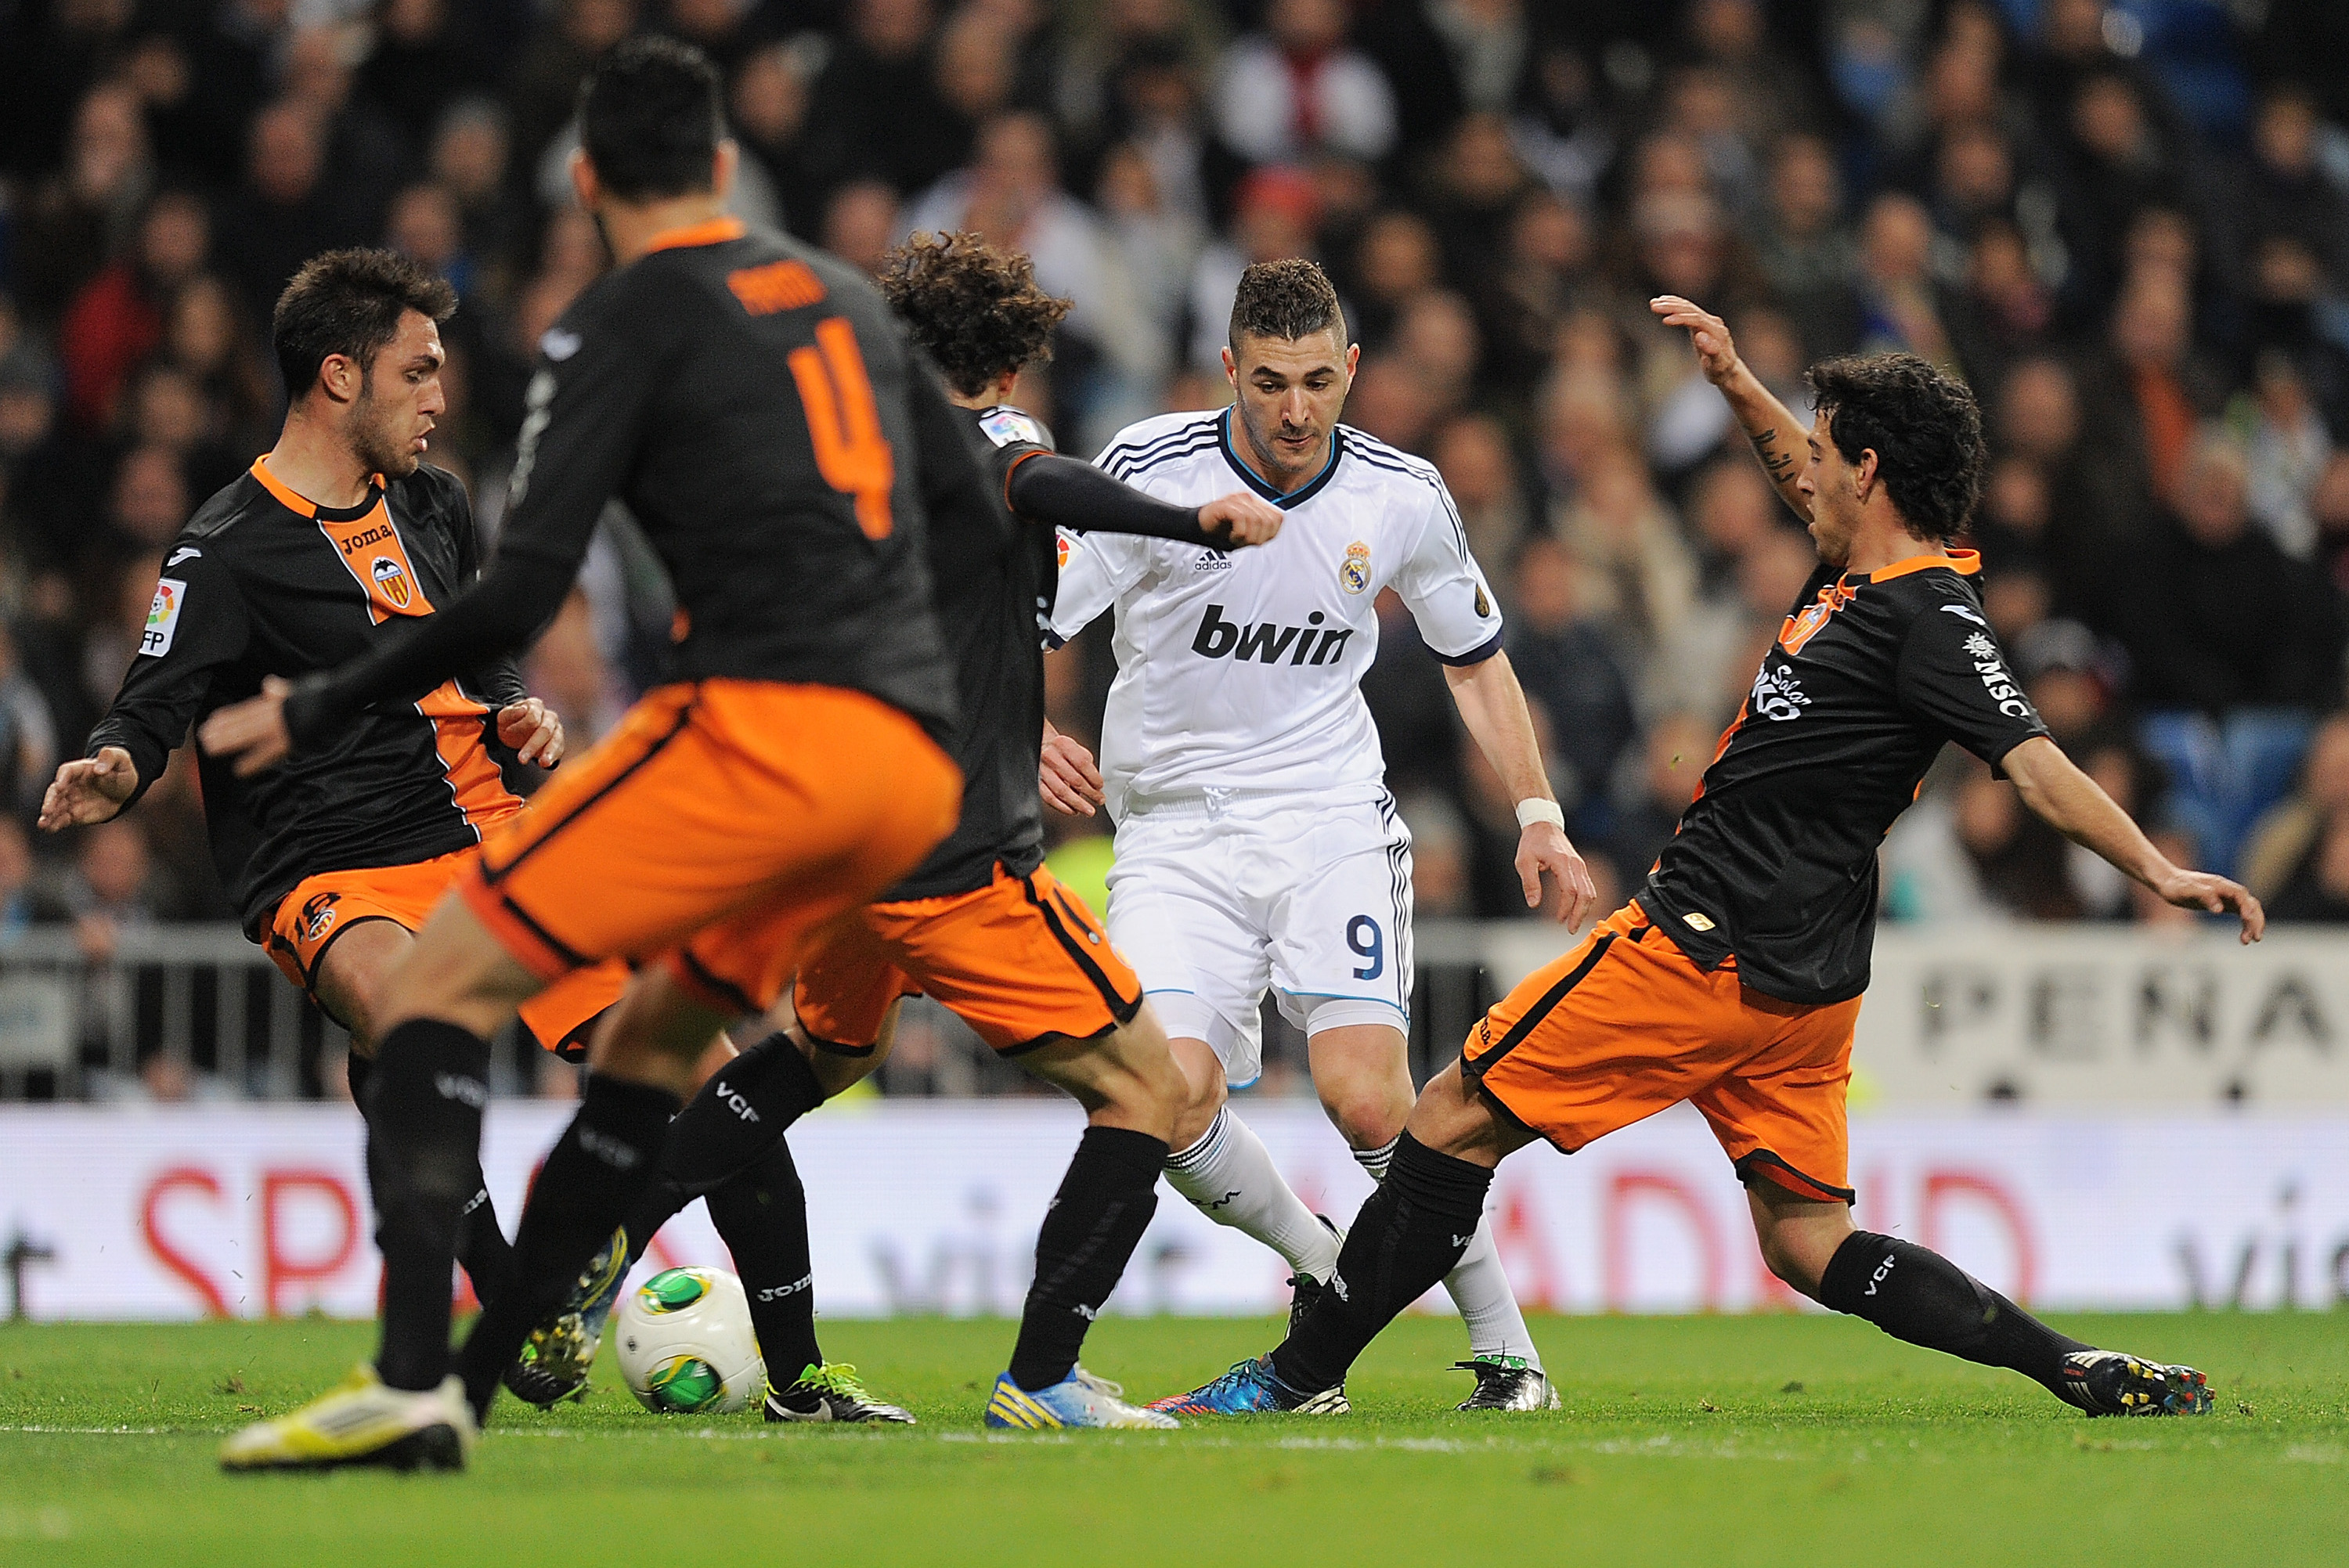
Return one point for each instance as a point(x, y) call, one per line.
point(1779, 465)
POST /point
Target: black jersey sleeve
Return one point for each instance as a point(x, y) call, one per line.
point(497, 680)
point(1954, 677)
point(197, 624)
point(1065, 492)
point(583, 413)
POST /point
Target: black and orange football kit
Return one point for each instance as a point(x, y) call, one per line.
point(1733, 977)
point(379, 824)
point(758, 409)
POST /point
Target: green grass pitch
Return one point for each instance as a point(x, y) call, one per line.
point(1722, 1441)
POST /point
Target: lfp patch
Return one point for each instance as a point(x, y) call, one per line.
point(1010, 427)
point(163, 616)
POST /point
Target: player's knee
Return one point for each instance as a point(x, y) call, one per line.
point(1365, 1116)
point(1791, 1252)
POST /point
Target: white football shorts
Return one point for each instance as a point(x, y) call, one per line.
point(1213, 901)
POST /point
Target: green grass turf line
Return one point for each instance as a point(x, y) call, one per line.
point(1773, 1440)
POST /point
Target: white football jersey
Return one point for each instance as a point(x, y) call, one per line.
point(1243, 672)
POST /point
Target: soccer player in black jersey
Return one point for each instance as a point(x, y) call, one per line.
point(981, 925)
point(335, 539)
point(760, 412)
point(1733, 978)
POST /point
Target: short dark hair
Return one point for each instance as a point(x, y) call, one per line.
point(349, 303)
point(974, 309)
point(650, 118)
point(1924, 426)
point(1287, 299)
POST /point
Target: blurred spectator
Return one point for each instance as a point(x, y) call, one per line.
point(2217, 616)
point(287, 212)
point(2286, 447)
point(1806, 253)
point(2152, 389)
point(1618, 527)
point(2281, 842)
point(1472, 452)
point(2318, 891)
point(117, 318)
point(875, 108)
point(1011, 194)
point(17, 909)
point(1679, 747)
point(85, 213)
point(1274, 214)
point(209, 338)
point(420, 61)
point(1299, 87)
point(769, 103)
point(1567, 663)
point(859, 224)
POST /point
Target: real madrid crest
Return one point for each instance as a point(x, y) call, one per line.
point(1354, 571)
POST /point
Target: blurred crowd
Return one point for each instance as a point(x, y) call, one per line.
point(2127, 227)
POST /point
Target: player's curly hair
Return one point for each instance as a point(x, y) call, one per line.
point(1925, 428)
point(350, 302)
point(1286, 299)
point(975, 309)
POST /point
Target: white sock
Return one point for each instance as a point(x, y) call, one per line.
point(1480, 1289)
point(1479, 1286)
point(1228, 1175)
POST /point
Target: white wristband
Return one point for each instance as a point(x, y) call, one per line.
point(1533, 810)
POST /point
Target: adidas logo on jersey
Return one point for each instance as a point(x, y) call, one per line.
point(1212, 561)
point(1312, 644)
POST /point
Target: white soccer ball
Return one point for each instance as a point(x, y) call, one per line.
point(686, 1345)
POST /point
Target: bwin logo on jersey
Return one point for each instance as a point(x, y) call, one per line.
point(1307, 644)
point(1354, 571)
point(391, 581)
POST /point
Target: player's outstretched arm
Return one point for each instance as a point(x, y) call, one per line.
point(1493, 706)
point(1066, 777)
point(2075, 806)
point(1779, 439)
point(1064, 492)
point(90, 790)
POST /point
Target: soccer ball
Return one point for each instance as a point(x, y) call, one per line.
point(686, 1344)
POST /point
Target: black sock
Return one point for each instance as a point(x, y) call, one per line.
point(1919, 1295)
point(1096, 1219)
point(598, 1169)
point(1413, 1232)
point(733, 1124)
point(740, 1114)
point(762, 1216)
point(424, 1165)
point(482, 1250)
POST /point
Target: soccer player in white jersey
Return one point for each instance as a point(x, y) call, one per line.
point(1256, 843)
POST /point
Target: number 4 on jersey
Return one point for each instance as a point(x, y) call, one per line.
point(844, 423)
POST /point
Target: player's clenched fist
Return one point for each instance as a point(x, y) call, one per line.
point(1240, 519)
point(534, 731)
point(90, 790)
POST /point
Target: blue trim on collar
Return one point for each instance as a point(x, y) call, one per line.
point(1255, 482)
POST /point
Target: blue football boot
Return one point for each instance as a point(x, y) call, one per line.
point(1254, 1388)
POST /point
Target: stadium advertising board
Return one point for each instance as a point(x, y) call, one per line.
point(923, 1207)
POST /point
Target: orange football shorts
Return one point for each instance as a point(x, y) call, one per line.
point(308, 920)
point(1021, 961)
point(716, 804)
point(1625, 1025)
